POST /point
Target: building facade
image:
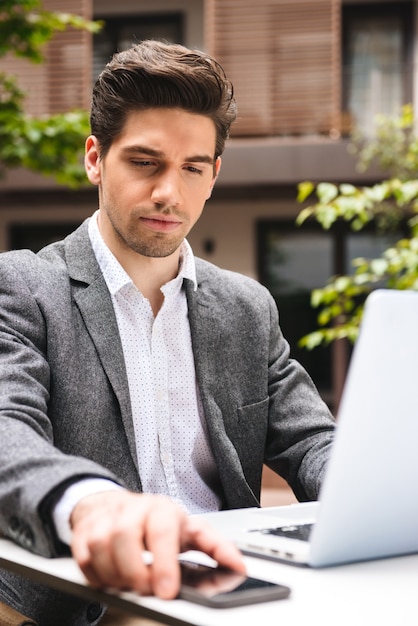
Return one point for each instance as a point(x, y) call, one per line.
point(306, 74)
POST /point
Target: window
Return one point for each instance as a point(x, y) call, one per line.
point(292, 262)
point(119, 33)
point(377, 58)
point(35, 236)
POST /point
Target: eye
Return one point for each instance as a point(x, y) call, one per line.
point(142, 163)
point(194, 170)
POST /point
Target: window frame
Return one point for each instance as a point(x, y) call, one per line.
point(403, 9)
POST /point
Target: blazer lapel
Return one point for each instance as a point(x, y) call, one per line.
point(95, 304)
point(207, 331)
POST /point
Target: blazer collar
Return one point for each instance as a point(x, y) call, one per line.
point(79, 255)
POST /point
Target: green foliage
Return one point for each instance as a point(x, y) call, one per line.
point(394, 148)
point(49, 145)
point(25, 27)
point(386, 204)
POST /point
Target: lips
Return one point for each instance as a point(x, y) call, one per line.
point(159, 224)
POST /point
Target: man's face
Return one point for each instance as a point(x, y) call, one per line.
point(154, 181)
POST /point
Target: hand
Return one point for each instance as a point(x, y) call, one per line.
point(112, 529)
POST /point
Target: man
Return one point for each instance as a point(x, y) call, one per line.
point(138, 383)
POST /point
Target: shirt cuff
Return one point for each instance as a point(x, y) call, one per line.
point(64, 507)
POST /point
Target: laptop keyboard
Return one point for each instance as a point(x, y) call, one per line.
point(300, 531)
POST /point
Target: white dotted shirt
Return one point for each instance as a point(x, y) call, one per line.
point(174, 456)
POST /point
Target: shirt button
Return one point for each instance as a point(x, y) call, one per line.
point(166, 458)
point(160, 395)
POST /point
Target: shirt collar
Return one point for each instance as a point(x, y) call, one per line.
point(115, 276)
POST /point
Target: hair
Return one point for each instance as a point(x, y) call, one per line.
point(153, 74)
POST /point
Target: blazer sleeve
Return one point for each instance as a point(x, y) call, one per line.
point(32, 469)
point(301, 427)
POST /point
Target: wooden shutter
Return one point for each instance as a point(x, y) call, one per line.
point(283, 57)
point(63, 81)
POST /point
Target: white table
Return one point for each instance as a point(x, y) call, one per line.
point(376, 593)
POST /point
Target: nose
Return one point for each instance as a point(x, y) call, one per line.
point(166, 190)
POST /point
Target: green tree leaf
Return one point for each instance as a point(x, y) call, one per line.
point(340, 301)
point(53, 145)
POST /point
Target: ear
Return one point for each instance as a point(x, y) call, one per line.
point(217, 168)
point(92, 160)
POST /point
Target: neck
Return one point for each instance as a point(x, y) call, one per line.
point(149, 274)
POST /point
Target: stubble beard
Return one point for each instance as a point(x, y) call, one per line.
point(157, 245)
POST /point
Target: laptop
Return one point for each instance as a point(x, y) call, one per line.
point(368, 505)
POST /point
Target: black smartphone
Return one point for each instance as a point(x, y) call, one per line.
point(222, 588)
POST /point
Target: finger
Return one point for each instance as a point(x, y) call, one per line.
point(128, 556)
point(83, 553)
point(199, 535)
point(110, 550)
point(163, 534)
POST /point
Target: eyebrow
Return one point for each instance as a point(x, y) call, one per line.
point(158, 154)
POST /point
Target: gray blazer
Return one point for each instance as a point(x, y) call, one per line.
point(64, 403)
